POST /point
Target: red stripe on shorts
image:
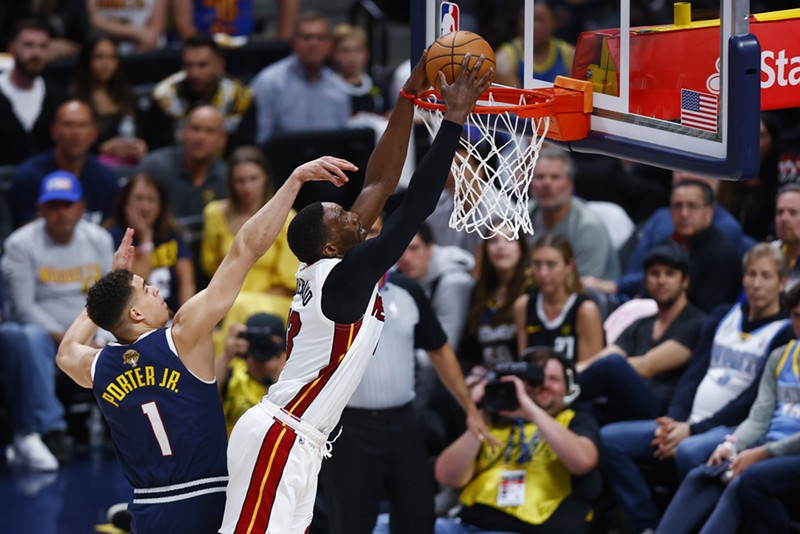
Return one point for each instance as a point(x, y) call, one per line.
point(343, 337)
point(267, 472)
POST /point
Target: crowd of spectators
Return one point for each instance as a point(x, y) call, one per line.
point(661, 350)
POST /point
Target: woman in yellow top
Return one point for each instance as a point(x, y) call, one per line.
point(270, 284)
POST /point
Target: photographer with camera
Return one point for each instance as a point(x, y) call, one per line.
point(544, 478)
point(253, 358)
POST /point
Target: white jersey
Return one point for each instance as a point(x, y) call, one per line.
point(325, 360)
point(736, 359)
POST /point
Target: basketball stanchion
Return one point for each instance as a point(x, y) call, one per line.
point(499, 149)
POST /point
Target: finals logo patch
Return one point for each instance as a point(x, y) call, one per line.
point(131, 357)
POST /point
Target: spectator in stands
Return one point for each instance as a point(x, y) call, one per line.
point(444, 274)
point(760, 455)
point(555, 312)
point(139, 26)
point(48, 267)
point(490, 335)
point(752, 201)
point(235, 18)
point(551, 56)
point(556, 210)
point(545, 478)
point(656, 229)
point(192, 173)
point(349, 58)
point(713, 395)
point(270, 284)
point(162, 258)
point(74, 132)
point(383, 444)
point(637, 374)
point(787, 228)
point(29, 389)
point(67, 20)
point(201, 81)
point(100, 82)
point(714, 275)
point(28, 103)
point(299, 93)
point(251, 362)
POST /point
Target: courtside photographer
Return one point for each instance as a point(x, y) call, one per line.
point(544, 476)
point(253, 358)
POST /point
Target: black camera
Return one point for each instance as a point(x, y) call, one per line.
point(264, 344)
point(501, 396)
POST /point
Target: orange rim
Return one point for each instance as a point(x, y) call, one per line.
point(525, 103)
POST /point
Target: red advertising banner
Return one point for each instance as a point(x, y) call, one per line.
point(666, 60)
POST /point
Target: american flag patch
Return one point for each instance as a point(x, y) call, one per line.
point(699, 110)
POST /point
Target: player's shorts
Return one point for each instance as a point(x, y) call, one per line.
point(273, 463)
point(201, 514)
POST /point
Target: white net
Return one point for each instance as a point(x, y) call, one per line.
point(493, 169)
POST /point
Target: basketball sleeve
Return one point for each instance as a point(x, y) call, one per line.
point(349, 286)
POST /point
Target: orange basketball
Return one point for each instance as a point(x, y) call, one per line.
point(447, 53)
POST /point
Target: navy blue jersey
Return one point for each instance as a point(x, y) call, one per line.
point(166, 424)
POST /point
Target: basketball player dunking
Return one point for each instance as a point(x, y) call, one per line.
point(276, 448)
point(155, 386)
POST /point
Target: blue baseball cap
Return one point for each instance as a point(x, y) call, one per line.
point(60, 185)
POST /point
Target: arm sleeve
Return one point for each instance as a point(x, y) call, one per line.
point(349, 285)
point(682, 399)
point(757, 423)
point(736, 410)
point(785, 446)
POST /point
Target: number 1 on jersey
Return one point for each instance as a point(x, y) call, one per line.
point(151, 411)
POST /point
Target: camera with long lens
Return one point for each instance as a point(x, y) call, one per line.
point(501, 396)
point(264, 344)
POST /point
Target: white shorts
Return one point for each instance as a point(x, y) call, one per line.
point(273, 464)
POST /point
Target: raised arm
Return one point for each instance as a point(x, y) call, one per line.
point(196, 319)
point(75, 353)
point(386, 162)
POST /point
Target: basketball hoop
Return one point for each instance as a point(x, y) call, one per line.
point(500, 147)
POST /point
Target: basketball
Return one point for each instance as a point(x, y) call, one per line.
point(447, 53)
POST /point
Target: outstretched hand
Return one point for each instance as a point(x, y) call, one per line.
point(123, 257)
point(461, 95)
point(417, 82)
point(326, 168)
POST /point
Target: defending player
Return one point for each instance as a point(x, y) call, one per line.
point(276, 448)
point(156, 386)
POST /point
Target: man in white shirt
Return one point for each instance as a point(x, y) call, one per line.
point(27, 103)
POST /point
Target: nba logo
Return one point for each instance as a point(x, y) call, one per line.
point(448, 18)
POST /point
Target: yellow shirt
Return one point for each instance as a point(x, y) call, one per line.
point(276, 268)
point(242, 392)
point(547, 481)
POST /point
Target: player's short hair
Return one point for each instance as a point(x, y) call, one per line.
point(307, 233)
point(108, 300)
